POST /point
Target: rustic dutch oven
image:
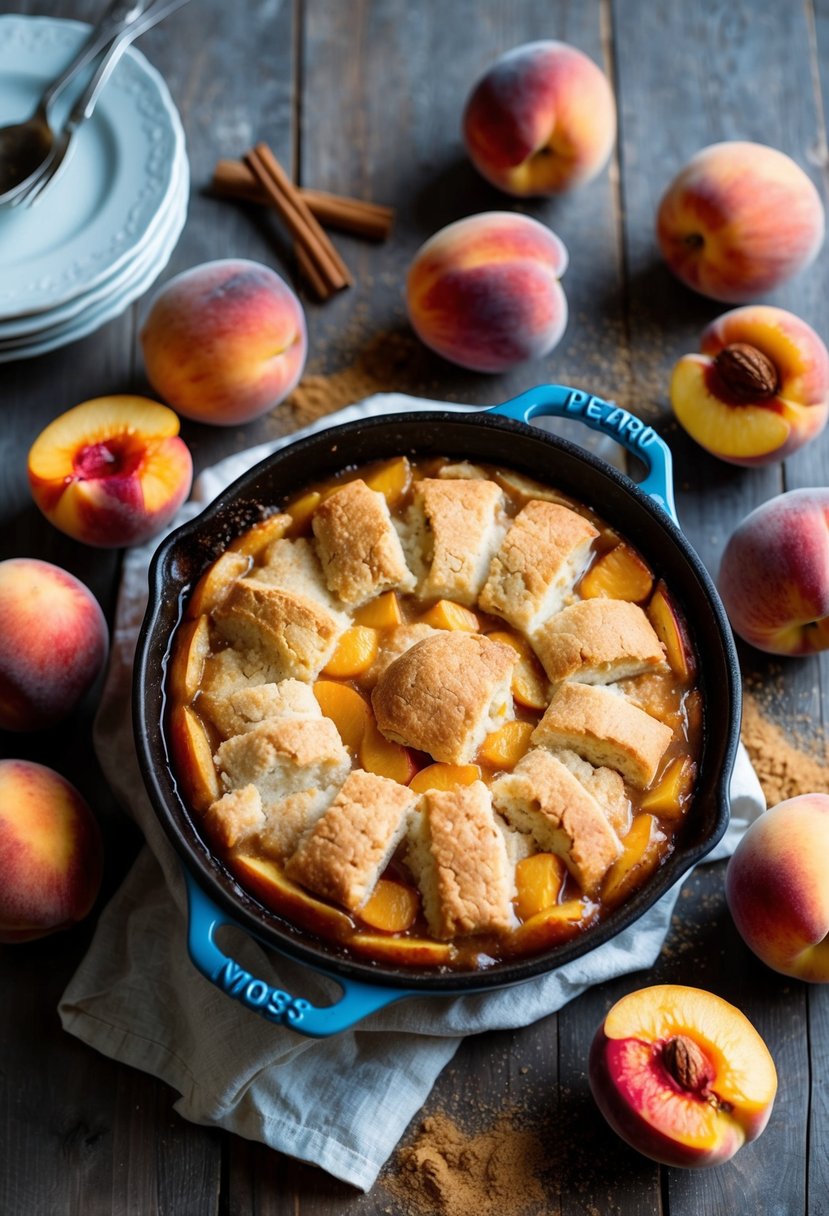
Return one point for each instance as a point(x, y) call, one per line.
point(643, 514)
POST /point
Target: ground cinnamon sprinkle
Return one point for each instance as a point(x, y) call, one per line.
point(444, 1172)
point(388, 363)
point(785, 770)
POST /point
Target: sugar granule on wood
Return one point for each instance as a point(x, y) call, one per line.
point(444, 1172)
point(387, 363)
point(784, 769)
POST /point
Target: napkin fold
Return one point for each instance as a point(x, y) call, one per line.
point(137, 998)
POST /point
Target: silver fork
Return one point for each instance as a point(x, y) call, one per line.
point(154, 12)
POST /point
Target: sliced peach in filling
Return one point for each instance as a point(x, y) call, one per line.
point(444, 777)
point(392, 906)
point(538, 881)
point(530, 686)
point(671, 632)
point(193, 757)
point(504, 747)
point(187, 664)
point(301, 511)
point(391, 479)
point(403, 951)
point(382, 613)
point(380, 755)
point(355, 652)
point(446, 614)
point(257, 538)
point(619, 574)
point(669, 797)
point(553, 925)
point(216, 582)
point(350, 713)
point(266, 881)
point(641, 850)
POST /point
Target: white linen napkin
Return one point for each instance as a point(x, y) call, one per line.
point(137, 998)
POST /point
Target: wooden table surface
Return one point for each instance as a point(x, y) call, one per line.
point(364, 98)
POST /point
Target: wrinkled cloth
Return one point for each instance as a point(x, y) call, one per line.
point(137, 998)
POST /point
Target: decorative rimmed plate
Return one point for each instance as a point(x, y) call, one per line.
point(119, 180)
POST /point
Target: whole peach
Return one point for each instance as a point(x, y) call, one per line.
point(541, 120)
point(55, 643)
point(484, 292)
point(50, 852)
point(225, 341)
point(774, 574)
point(759, 388)
point(777, 889)
point(112, 471)
point(739, 220)
point(681, 1075)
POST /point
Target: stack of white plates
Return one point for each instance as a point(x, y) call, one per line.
point(102, 232)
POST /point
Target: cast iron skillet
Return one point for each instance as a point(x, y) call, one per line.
point(643, 514)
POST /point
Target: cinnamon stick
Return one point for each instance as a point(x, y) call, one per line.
point(331, 270)
point(233, 179)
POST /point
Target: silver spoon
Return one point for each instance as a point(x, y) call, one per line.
point(24, 146)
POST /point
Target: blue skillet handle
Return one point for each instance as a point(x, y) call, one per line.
point(358, 1000)
point(560, 401)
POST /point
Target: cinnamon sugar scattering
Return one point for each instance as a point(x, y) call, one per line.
point(444, 1172)
point(785, 769)
point(387, 363)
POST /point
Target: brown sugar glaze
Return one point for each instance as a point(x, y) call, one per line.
point(672, 696)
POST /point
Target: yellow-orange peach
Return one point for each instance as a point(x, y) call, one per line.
point(52, 853)
point(777, 890)
point(681, 1075)
point(54, 647)
point(541, 120)
point(759, 388)
point(774, 574)
point(225, 341)
point(112, 471)
point(738, 220)
point(484, 292)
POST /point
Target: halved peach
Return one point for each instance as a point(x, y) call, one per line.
point(257, 538)
point(681, 1075)
point(350, 713)
point(355, 652)
point(530, 686)
point(187, 664)
point(264, 879)
point(504, 747)
point(641, 850)
point(402, 951)
point(669, 797)
point(193, 758)
point(380, 755)
point(216, 582)
point(444, 777)
point(670, 629)
point(112, 471)
point(553, 925)
point(382, 613)
point(391, 479)
point(392, 906)
point(538, 882)
point(619, 574)
point(446, 614)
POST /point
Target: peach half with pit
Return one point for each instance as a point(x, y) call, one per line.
point(777, 891)
point(774, 574)
point(484, 292)
point(681, 1075)
point(51, 851)
point(759, 388)
point(55, 643)
point(541, 120)
point(225, 342)
point(113, 471)
point(738, 220)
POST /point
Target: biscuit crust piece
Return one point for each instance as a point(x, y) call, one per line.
point(445, 694)
point(603, 727)
point(244, 708)
point(538, 563)
point(283, 756)
point(358, 546)
point(597, 641)
point(294, 636)
point(541, 796)
point(234, 817)
point(456, 526)
point(393, 643)
point(460, 859)
point(294, 566)
point(351, 844)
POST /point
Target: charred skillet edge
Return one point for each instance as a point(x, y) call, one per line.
point(185, 553)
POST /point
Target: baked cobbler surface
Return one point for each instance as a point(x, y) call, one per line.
point(435, 711)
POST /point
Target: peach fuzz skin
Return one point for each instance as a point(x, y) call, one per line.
point(674, 1116)
point(774, 574)
point(754, 426)
point(777, 890)
point(225, 341)
point(55, 643)
point(51, 853)
point(484, 292)
point(541, 120)
point(739, 220)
